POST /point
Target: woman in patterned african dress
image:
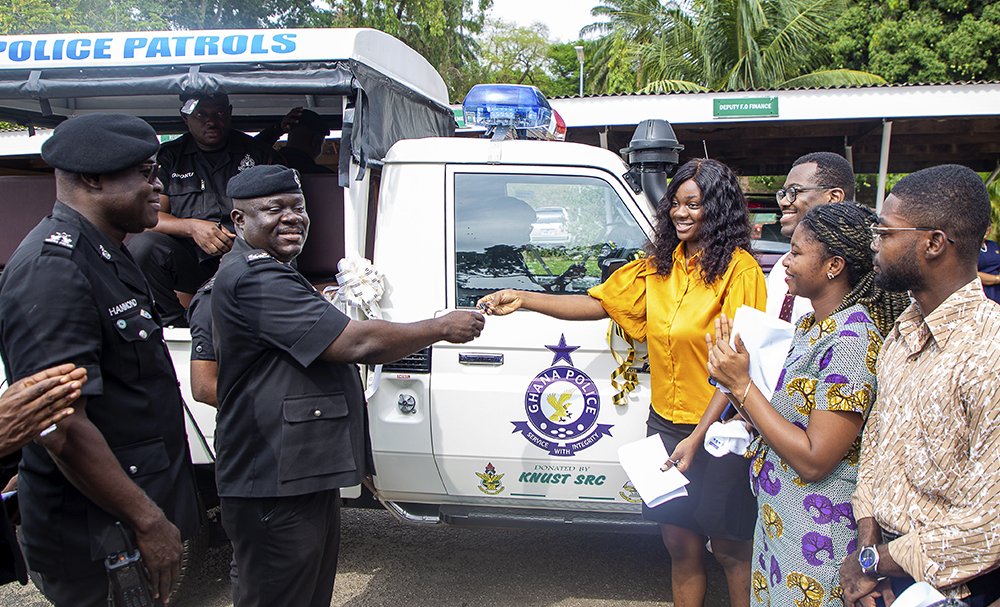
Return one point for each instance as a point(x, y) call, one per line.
point(805, 461)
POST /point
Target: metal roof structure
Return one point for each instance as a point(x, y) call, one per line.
point(916, 125)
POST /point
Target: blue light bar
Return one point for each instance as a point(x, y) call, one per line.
point(516, 105)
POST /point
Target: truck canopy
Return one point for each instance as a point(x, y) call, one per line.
point(370, 85)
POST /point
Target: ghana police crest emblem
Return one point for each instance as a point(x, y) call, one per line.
point(246, 163)
point(562, 404)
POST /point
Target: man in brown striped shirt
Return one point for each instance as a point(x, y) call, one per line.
point(928, 497)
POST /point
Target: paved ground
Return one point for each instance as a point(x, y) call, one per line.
point(384, 563)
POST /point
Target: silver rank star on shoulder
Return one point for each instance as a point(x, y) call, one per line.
point(63, 239)
point(104, 252)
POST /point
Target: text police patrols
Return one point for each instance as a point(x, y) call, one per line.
point(155, 48)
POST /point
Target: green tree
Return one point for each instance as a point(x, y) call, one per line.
point(718, 44)
point(565, 70)
point(919, 40)
point(235, 14)
point(514, 54)
point(443, 31)
point(509, 53)
point(629, 23)
point(55, 16)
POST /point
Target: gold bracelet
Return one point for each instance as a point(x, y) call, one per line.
point(746, 392)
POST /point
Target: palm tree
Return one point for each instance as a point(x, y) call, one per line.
point(723, 44)
point(630, 23)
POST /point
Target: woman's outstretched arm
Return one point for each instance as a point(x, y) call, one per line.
point(565, 307)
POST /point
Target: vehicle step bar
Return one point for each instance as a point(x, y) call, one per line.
point(486, 517)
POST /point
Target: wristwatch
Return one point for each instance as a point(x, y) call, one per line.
point(868, 559)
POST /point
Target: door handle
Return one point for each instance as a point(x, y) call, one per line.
point(480, 358)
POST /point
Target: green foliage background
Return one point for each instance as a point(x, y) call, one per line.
point(919, 40)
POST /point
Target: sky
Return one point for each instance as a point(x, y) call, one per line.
point(564, 18)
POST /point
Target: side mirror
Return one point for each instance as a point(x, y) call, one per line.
point(609, 265)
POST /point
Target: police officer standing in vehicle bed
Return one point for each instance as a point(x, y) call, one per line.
point(292, 425)
point(194, 229)
point(72, 293)
point(305, 144)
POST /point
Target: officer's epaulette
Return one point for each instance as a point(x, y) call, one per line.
point(62, 240)
point(207, 286)
point(256, 257)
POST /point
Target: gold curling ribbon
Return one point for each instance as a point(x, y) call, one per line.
point(624, 372)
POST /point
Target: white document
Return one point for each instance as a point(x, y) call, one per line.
point(920, 594)
point(767, 339)
point(641, 461)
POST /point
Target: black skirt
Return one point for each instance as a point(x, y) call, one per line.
point(719, 502)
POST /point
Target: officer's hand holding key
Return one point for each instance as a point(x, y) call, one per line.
point(463, 326)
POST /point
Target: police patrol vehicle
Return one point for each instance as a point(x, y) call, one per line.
point(518, 428)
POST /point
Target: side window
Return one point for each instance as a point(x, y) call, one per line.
point(537, 233)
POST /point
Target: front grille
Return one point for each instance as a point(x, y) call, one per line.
point(418, 362)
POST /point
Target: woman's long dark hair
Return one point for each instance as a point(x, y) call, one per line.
point(725, 224)
point(843, 229)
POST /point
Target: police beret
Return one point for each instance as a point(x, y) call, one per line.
point(191, 100)
point(100, 143)
point(203, 96)
point(264, 180)
point(314, 122)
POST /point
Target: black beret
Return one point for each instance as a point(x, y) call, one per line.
point(264, 180)
point(100, 143)
point(191, 100)
point(314, 122)
point(203, 96)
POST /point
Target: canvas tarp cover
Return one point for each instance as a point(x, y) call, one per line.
point(386, 110)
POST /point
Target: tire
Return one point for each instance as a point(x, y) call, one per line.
point(192, 560)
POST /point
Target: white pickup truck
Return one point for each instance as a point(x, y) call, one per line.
point(517, 428)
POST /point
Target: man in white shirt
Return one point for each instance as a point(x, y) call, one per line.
point(815, 179)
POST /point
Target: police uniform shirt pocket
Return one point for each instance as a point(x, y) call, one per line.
point(186, 192)
point(141, 344)
point(143, 458)
point(142, 462)
point(315, 437)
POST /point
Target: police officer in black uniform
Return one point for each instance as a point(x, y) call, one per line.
point(305, 143)
point(183, 250)
point(292, 421)
point(204, 369)
point(72, 293)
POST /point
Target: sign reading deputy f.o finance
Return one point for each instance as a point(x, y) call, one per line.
point(751, 107)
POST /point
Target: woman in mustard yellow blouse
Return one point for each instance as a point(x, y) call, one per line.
point(698, 268)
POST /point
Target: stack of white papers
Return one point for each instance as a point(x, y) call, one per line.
point(920, 594)
point(641, 461)
point(767, 340)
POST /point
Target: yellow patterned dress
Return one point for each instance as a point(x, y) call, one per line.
point(804, 530)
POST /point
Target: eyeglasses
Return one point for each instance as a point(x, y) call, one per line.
point(154, 172)
point(793, 192)
point(879, 231)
